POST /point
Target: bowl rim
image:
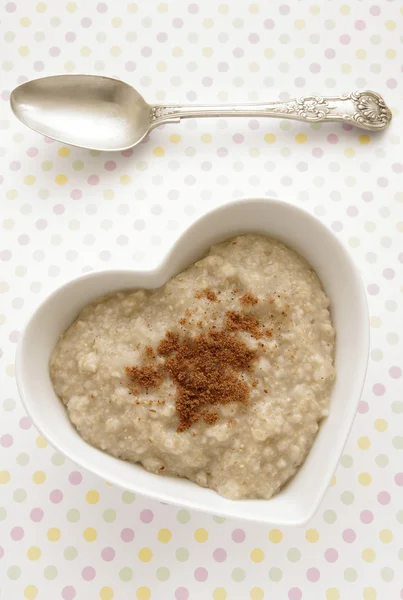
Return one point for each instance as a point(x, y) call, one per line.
point(82, 462)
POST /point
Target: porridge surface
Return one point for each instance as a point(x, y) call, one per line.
point(220, 376)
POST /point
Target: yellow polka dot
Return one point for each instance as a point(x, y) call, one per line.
point(90, 534)
point(223, 9)
point(175, 138)
point(92, 496)
point(116, 22)
point(143, 593)
point(41, 7)
point(275, 536)
point(41, 442)
point(116, 50)
point(315, 9)
point(349, 152)
point(361, 54)
point(145, 555)
point(346, 68)
point(34, 553)
point(381, 425)
point(269, 138)
point(390, 53)
point(208, 23)
point(332, 594)
point(164, 535)
point(364, 478)
point(39, 477)
point(369, 593)
point(363, 443)
point(299, 24)
point(30, 592)
point(53, 534)
point(368, 555)
point(254, 152)
point(64, 151)
point(301, 138)
point(71, 7)
point(25, 22)
point(364, 139)
point(60, 179)
point(106, 593)
point(161, 66)
point(85, 51)
point(344, 9)
point(390, 25)
point(163, 7)
point(269, 52)
point(219, 594)
point(29, 179)
point(206, 138)
point(257, 555)
point(256, 593)
point(177, 51)
point(4, 477)
point(386, 536)
point(201, 535)
point(158, 151)
point(299, 52)
point(132, 7)
point(311, 536)
point(375, 322)
point(23, 50)
point(125, 179)
point(333, 482)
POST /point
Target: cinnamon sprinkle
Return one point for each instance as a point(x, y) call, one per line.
point(145, 376)
point(248, 298)
point(207, 293)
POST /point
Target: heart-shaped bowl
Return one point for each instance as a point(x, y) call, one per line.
point(298, 500)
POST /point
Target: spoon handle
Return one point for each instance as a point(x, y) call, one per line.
point(364, 109)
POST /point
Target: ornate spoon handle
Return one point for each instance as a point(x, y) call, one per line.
point(364, 109)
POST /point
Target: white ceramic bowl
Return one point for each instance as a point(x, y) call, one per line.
point(298, 501)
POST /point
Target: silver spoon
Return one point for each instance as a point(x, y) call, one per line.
point(102, 113)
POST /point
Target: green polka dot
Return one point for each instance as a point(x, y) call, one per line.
point(128, 497)
point(275, 574)
point(382, 460)
point(70, 553)
point(238, 574)
point(350, 574)
point(22, 459)
point(183, 516)
point(73, 515)
point(219, 520)
point(346, 461)
point(3, 513)
point(162, 574)
point(182, 554)
point(78, 165)
point(329, 516)
point(399, 516)
point(95, 152)
point(109, 515)
point(398, 442)
point(293, 555)
point(9, 404)
point(397, 407)
point(50, 572)
point(347, 497)
point(400, 554)
point(58, 459)
point(126, 574)
point(387, 574)
point(14, 572)
point(316, 126)
point(19, 495)
point(109, 195)
point(43, 194)
point(47, 165)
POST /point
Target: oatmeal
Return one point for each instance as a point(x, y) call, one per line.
point(221, 376)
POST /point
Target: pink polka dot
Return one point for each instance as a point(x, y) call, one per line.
point(86, 22)
point(25, 423)
point(54, 51)
point(379, 389)
point(129, 152)
point(58, 209)
point(207, 81)
point(181, 593)
point(146, 516)
point(76, 194)
point(373, 289)
point(268, 23)
point(193, 9)
point(110, 165)
point(221, 152)
point(130, 66)
point(383, 498)
point(317, 152)
point(395, 372)
point(294, 593)
point(219, 555)
point(17, 533)
point(331, 555)
point(68, 593)
point(349, 536)
point(383, 182)
point(108, 554)
point(345, 39)
point(201, 574)
point(127, 534)
point(399, 479)
point(70, 36)
point(75, 478)
point(5, 95)
point(102, 7)
point(32, 152)
point(15, 165)
point(88, 573)
point(391, 83)
point(93, 179)
point(238, 536)
point(330, 53)
point(375, 11)
point(238, 138)
point(56, 496)
point(1, 551)
point(366, 517)
point(315, 68)
point(360, 25)
point(284, 9)
point(177, 23)
point(347, 126)
point(352, 211)
point(6, 440)
point(367, 196)
point(332, 138)
point(363, 407)
point(36, 515)
point(11, 7)
point(397, 167)
point(313, 574)
point(253, 38)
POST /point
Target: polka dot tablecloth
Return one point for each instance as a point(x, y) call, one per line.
point(64, 533)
